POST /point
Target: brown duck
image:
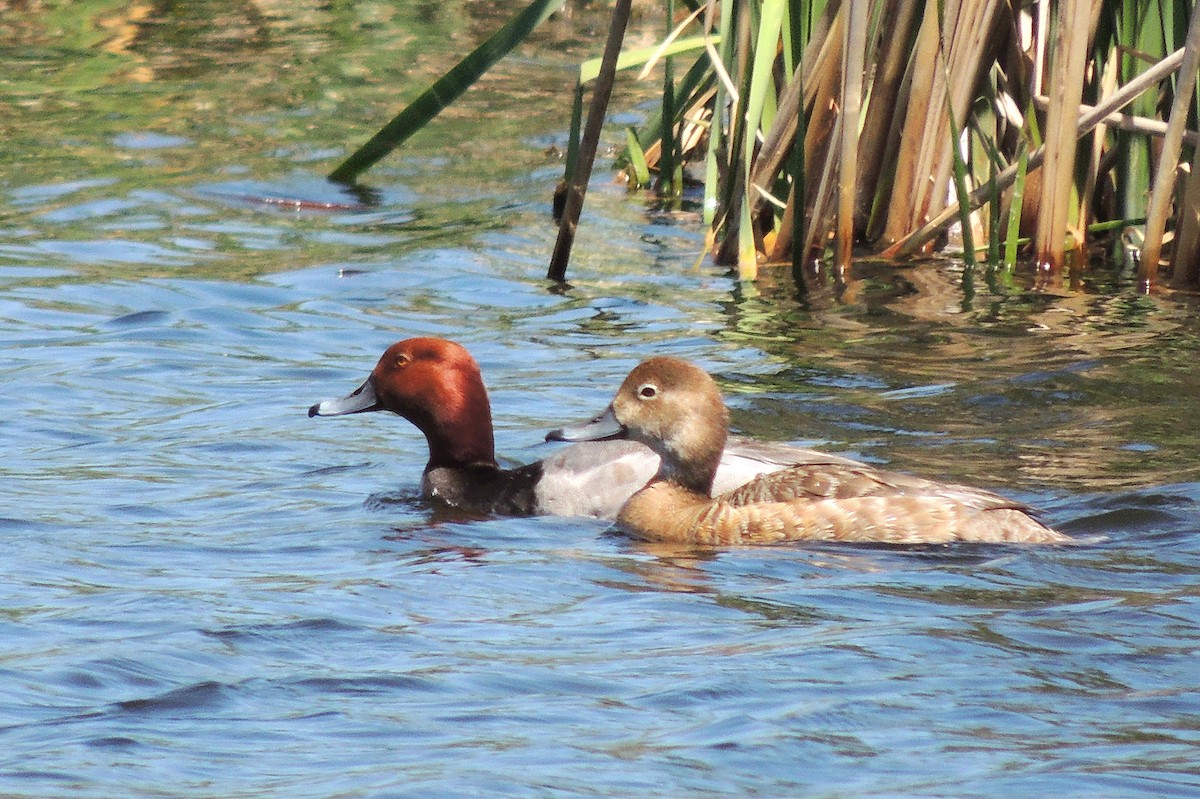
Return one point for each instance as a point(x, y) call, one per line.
point(676, 409)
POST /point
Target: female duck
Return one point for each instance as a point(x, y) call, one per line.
point(676, 409)
point(436, 385)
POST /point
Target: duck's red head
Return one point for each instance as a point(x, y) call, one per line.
point(436, 385)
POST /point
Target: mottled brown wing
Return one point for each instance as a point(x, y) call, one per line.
point(844, 481)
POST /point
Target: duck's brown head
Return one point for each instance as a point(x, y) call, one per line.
point(436, 385)
point(672, 407)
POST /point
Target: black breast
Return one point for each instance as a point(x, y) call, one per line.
point(485, 489)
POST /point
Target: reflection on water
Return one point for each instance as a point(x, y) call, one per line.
point(210, 594)
point(1046, 389)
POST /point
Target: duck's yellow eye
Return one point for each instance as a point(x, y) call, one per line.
point(402, 360)
point(647, 391)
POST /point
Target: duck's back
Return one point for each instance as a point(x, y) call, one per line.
point(593, 479)
point(848, 479)
point(597, 478)
point(834, 502)
point(745, 460)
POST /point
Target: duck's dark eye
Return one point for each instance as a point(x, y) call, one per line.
point(647, 392)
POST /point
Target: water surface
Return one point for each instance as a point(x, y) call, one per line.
point(207, 593)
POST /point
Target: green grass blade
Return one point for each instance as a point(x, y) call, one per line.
point(993, 256)
point(960, 185)
point(762, 74)
point(698, 79)
point(637, 159)
point(747, 261)
point(963, 196)
point(1014, 212)
point(760, 83)
point(445, 90)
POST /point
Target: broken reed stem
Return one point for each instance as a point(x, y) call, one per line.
point(589, 142)
point(1129, 122)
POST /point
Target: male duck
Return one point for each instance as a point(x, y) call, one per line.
point(436, 385)
point(676, 409)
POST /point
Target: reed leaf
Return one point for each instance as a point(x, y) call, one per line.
point(1015, 205)
point(960, 189)
point(574, 133)
point(445, 90)
point(762, 72)
point(643, 57)
point(793, 227)
point(819, 75)
point(761, 84)
point(1135, 36)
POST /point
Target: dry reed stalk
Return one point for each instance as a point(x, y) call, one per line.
point(909, 204)
point(818, 224)
point(816, 77)
point(589, 143)
point(889, 97)
point(822, 132)
point(971, 47)
point(1065, 93)
point(674, 34)
point(947, 61)
point(692, 129)
point(1121, 98)
point(853, 57)
point(1163, 192)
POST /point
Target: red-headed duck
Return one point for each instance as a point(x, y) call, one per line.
point(436, 385)
point(676, 409)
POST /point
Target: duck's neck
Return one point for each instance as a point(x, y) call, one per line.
point(695, 468)
point(692, 451)
point(687, 476)
point(461, 448)
point(458, 428)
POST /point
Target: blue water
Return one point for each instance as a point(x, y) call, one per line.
point(206, 593)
